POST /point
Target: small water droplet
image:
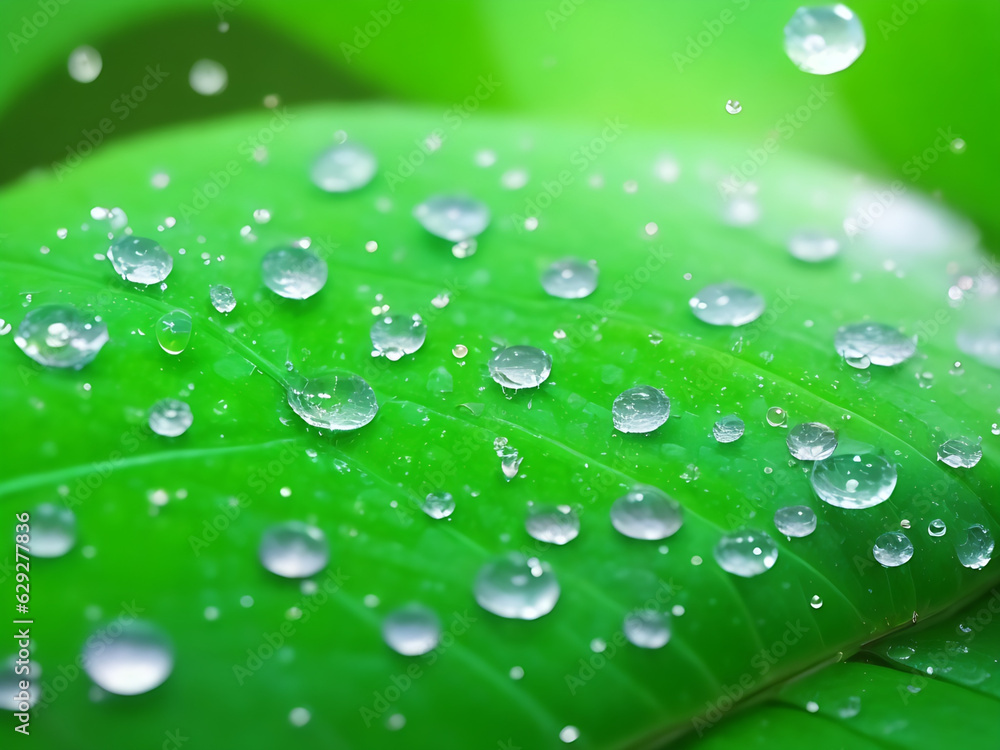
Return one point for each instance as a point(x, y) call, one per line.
point(53, 530)
point(398, 334)
point(746, 552)
point(454, 218)
point(136, 660)
point(516, 587)
point(641, 409)
point(140, 260)
point(294, 549)
point(569, 734)
point(727, 304)
point(345, 167)
point(811, 441)
point(519, 367)
point(173, 331)
point(960, 453)
point(299, 717)
point(554, 524)
point(465, 248)
point(84, 64)
point(222, 298)
point(61, 336)
point(729, 429)
point(824, 39)
point(208, 77)
point(777, 417)
point(412, 630)
point(816, 602)
point(893, 549)
point(795, 520)
point(170, 418)
point(570, 278)
point(647, 513)
point(937, 527)
point(862, 344)
point(459, 351)
point(335, 400)
point(854, 480)
point(976, 549)
point(813, 246)
point(733, 107)
point(438, 504)
point(294, 272)
point(647, 628)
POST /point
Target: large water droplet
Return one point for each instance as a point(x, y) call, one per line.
point(294, 549)
point(173, 331)
point(208, 78)
point(570, 278)
point(727, 304)
point(438, 504)
point(729, 429)
point(84, 64)
point(61, 336)
point(140, 260)
point(454, 218)
point(398, 334)
point(811, 441)
point(169, 417)
point(873, 343)
point(647, 628)
point(960, 453)
point(824, 39)
point(854, 480)
point(812, 246)
point(795, 520)
point(937, 527)
point(519, 367)
point(294, 272)
point(344, 167)
point(222, 298)
point(335, 400)
point(135, 661)
point(517, 587)
point(892, 549)
point(412, 630)
point(976, 550)
point(53, 530)
point(641, 409)
point(746, 552)
point(646, 512)
point(554, 524)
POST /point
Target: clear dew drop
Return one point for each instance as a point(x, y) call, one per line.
point(960, 453)
point(438, 504)
point(412, 630)
point(647, 513)
point(640, 409)
point(84, 64)
point(862, 344)
point(510, 461)
point(746, 552)
point(294, 272)
point(850, 707)
point(816, 602)
point(976, 549)
point(824, 39)
point(208, 77)
point(519, 367)
point(893, 549)
point(140, 260)
point(727, 304)
point(397, 334)
point(173, 331)
point(516, 587)
point(222, 298)
point(465, 248)
point(335, 400)
point(811, 441)
point(937, 527)
point(733, 107)
point(345, 167)
point(53, 530)
point(854, 480)
point(729, 429)
point(452, 217)
point(170, 418)
point(813, 246)
point(553, 524)
point(136, 660)
point(570, 278)
point(777, 417)
point(294, 549)
point(647, 628)
point(795, 520)
point(61, 336)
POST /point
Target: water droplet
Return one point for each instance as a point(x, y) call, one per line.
point(813, 246)
point(795, 520)
point(412, 630)
point(892, 549)
point(294, 272)
point(53, 530)
point(170, 418)
point(811, 441)
point(937, 527)
point(517, 587)
point(222, 298)
point(207, 77)
point(510, 462)
point(728, 429)
point(84, 64)
point(519, 367)
point(733, 107)
point(60, 336)
point(746, 552)
point(727, 304)
point(824, 39)
point(459, 351)
point(438, 504)
point(465, 248)
point(647, 628)
point(294, 549)
point(396, 335)
point(299, 716)
point(569, 734)
point(960, 453)
point(554, 524)
point(850, 708)
point(570, 278)
point(873, 343)
point(977, 548)
point(454, 218)
point(812, 707)
point(646, 512)
point(173, 331)
point(777, 417)
point(344, 167)
point(641, 409)
point(335, 400)
point(140, 260)
point(136, 660)
point(854, 480)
